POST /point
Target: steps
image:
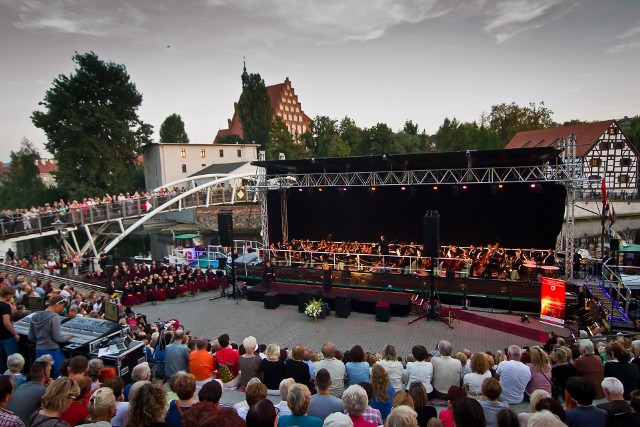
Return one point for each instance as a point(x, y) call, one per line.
point(613, 311)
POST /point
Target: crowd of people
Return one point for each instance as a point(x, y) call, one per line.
point(185, 379)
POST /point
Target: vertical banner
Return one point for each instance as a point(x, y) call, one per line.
point(552, 301)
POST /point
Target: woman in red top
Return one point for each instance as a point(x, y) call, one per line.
point(78, 411)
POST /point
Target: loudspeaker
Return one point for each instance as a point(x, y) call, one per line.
point(431, 231)
point(215, 237)
point(614, 244)
point(271, 300)
point(451, 275)
point(225, 227)
point(383, 312)
point(343, 307)
point(108, 270)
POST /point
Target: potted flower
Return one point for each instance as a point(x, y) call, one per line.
point(314, 308)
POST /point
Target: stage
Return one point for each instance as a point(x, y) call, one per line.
point(365, 289)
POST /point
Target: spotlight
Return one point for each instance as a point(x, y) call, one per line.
point(500, 186)
point(524, 318)
point(403, 188)
point(464, 187)
point(320, 190)
point(300, 190)
point(533, 185)
point(344, 188)
point(435, 187)
point(373, 188)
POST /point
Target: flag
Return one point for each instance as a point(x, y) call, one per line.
point(612, 215)
point(603, 186)
point(147, 206)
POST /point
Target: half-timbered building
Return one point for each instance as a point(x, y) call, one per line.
point(604, 149)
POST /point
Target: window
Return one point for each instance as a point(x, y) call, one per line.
point(221, 153)
point(604, 145)
point(625, 161)
point(239, 152)
point(623, 179)
point(203, 165)
point(595, 177)
point(595, 163)
point(183, 153)
point(184, 168)
point(203, 153)
point(619, 145)
point(613, 130)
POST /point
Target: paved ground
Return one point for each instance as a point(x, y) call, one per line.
point(288, 327)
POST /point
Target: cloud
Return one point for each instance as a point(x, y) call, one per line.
point(629, 40)
point(83, 17)
point(508, 18)
point(335, 21)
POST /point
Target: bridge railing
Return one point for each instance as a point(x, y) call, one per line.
point(56, 281)
point(81, 214)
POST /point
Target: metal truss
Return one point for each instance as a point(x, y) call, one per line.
point(540, 173)
point(262, 188)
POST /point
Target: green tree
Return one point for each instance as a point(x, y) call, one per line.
point(455, 136)
point(281, 141)
point(323, 130)
point(230, 138)
point(379, 139)
point(254, 109)
point(632, 131)
point(508, 119)
point(410, 128)
point(573, 122)
point(172, 130)
point(351, 135)
point(92, 126)
point(21, 186)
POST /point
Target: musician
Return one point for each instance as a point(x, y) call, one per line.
point(268, 274)
point(532, 256)
point(549, 259)
point(473, 252)
point(515, 265)
point(326, 278)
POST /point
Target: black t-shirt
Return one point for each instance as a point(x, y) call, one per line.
point(273, 373)
point(298, 370)
point(4, 309)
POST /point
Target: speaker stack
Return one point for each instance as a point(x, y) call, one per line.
point(225, 228)
point(431, 234)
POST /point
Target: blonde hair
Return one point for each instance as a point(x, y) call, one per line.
point(58, 394)
point(380, 383)
point(403, 398)
point(249, 344)
point(539, 359)
point(536, 397)
point(100, 404)
point(402, 416)
point(462, 358)
point(273, 351)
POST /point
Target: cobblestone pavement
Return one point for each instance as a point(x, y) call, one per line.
point(287, 327)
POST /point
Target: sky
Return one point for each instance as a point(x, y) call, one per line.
point(375, 61)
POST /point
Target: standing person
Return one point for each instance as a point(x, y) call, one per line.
point(327, 282)
point(176, 356)
point(514, 377)
point(8, 336)
point(45, 331)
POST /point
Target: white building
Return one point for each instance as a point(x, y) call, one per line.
point(165, 163)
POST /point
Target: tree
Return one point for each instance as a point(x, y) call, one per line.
point(323, 130)
point(230, 138)
point(379, 139)
point(508, 119)
point(21, 186)
point(254, 109)
point(172, 130)
point(92, 126)
point(455, 136)
point(410, 128)
point(281, 141)
point(351, 135)
point(632, 131)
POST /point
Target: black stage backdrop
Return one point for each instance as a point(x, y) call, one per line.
point(514, 216)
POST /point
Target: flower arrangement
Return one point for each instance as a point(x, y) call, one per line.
point(314, 307)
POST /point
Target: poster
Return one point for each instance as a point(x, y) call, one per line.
point(552, 301)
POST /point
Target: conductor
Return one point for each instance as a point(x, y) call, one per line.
point(326, 278)
point(268, 275)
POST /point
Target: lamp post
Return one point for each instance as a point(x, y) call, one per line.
point(59, 227)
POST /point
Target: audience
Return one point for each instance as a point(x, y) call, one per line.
point(355, 403)
point(323, 403)
point(298, 400)
point(579, 396)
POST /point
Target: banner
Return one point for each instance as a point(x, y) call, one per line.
point(552, 301)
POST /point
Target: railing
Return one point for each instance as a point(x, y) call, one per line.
point(104, 212)
point(613, 278)
point(369, 262)
point(55, 280)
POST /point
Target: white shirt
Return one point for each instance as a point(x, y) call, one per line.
point(395, 370)
point(446, 372)
point(419, 371)
point(514, 377)
point(474, 381)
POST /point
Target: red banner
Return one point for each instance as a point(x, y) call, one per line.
point(552, 301)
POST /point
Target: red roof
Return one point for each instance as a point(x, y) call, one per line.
point(46, 166)
point(587, 135)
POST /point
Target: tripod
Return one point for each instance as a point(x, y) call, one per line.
point(231, 282)
point(432, 310)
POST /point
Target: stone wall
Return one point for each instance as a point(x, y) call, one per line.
point(245, 217)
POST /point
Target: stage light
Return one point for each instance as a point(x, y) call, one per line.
point(300, 190)
point(403, 188)
point(500, 185)
point(373, 188)
point(320, 190)
point(344, 188)
point(464, 187)
point(533, 185)
point(435, 187)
